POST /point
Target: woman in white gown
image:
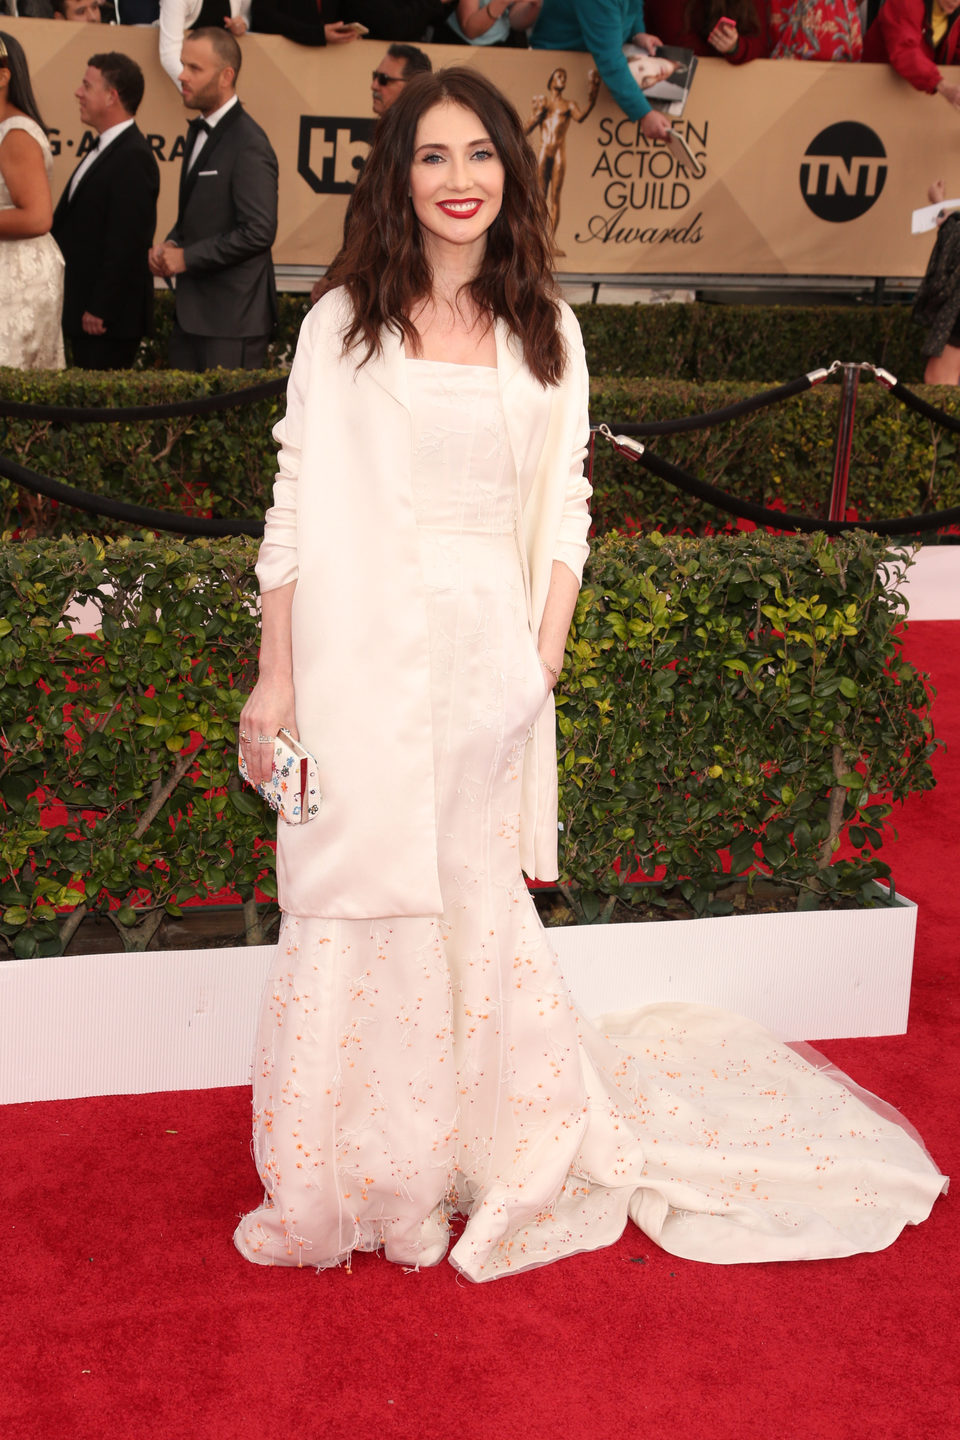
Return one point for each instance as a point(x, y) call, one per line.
point(31, 266)
point(419, 1055)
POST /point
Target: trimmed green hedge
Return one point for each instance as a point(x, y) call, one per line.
point(224, 463)
point(220, 463)
point(741, 694)
point(118, 770)
point(765, 343)
point(738, 699)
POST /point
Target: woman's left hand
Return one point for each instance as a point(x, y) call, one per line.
point(724, 38)
point(236, 25)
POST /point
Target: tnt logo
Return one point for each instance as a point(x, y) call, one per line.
point(843, 171)
point(331, 151)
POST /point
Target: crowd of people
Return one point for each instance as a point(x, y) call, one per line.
point(218, 255)
point(914, 36)
point(84, 271)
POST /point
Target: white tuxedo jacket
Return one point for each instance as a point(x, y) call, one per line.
point(342, 525)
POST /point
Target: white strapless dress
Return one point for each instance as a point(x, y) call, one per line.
point(31, 281)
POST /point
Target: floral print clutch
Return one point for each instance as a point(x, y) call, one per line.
point(293, 789)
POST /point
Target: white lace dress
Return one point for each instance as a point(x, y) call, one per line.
point(31, 281)
point(411, 1068)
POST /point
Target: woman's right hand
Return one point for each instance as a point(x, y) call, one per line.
point(655, 125)
point(270, 707)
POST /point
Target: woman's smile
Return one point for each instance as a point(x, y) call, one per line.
point(464, 208)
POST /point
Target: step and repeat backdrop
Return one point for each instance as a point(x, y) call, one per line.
point(798, 168)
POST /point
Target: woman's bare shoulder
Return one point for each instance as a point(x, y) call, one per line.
point(20, 135)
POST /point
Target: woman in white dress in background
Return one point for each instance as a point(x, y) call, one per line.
point(419, 1056)
point(31, 266)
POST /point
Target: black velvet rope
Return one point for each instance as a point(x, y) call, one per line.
point(102, 505)
point(784, 519)
point(929, 412)
point(89, 415)
point(718, 417)
point(120, 510)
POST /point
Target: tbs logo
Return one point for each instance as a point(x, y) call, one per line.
point(331, 151)
point(843, 171)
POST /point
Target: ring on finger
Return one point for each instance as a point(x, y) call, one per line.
point(264, 739)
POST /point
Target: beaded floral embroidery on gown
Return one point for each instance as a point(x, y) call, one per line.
point(31, 281)
point(409, 1068)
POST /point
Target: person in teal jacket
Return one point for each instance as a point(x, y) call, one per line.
point(603, 27)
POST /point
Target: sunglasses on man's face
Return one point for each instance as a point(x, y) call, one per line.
point(384, 80)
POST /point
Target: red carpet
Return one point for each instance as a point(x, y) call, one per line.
point(128, 1313)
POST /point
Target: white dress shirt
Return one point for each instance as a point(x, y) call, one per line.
point(212, 120)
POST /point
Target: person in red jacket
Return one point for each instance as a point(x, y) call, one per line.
point(915, 37)
point(734, 29)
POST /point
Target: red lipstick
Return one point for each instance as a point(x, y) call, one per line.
point(464, 209)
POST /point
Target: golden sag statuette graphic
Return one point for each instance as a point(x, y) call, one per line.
point(551, 114)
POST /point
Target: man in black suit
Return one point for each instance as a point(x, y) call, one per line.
point(219, 249)
point(105, 219)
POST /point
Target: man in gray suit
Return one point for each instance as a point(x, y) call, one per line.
point(218, 251)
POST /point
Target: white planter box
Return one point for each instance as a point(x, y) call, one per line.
point(806, 976)
point(185, 1020)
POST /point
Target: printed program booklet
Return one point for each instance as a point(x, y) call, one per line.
point(927, 216)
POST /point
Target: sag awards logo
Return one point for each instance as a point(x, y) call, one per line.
point(843, 171)
point(331, 151)
point(644, 186)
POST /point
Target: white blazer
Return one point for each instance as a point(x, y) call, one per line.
point(342, 525)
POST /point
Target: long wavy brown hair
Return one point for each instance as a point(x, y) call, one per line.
point(382, 264)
